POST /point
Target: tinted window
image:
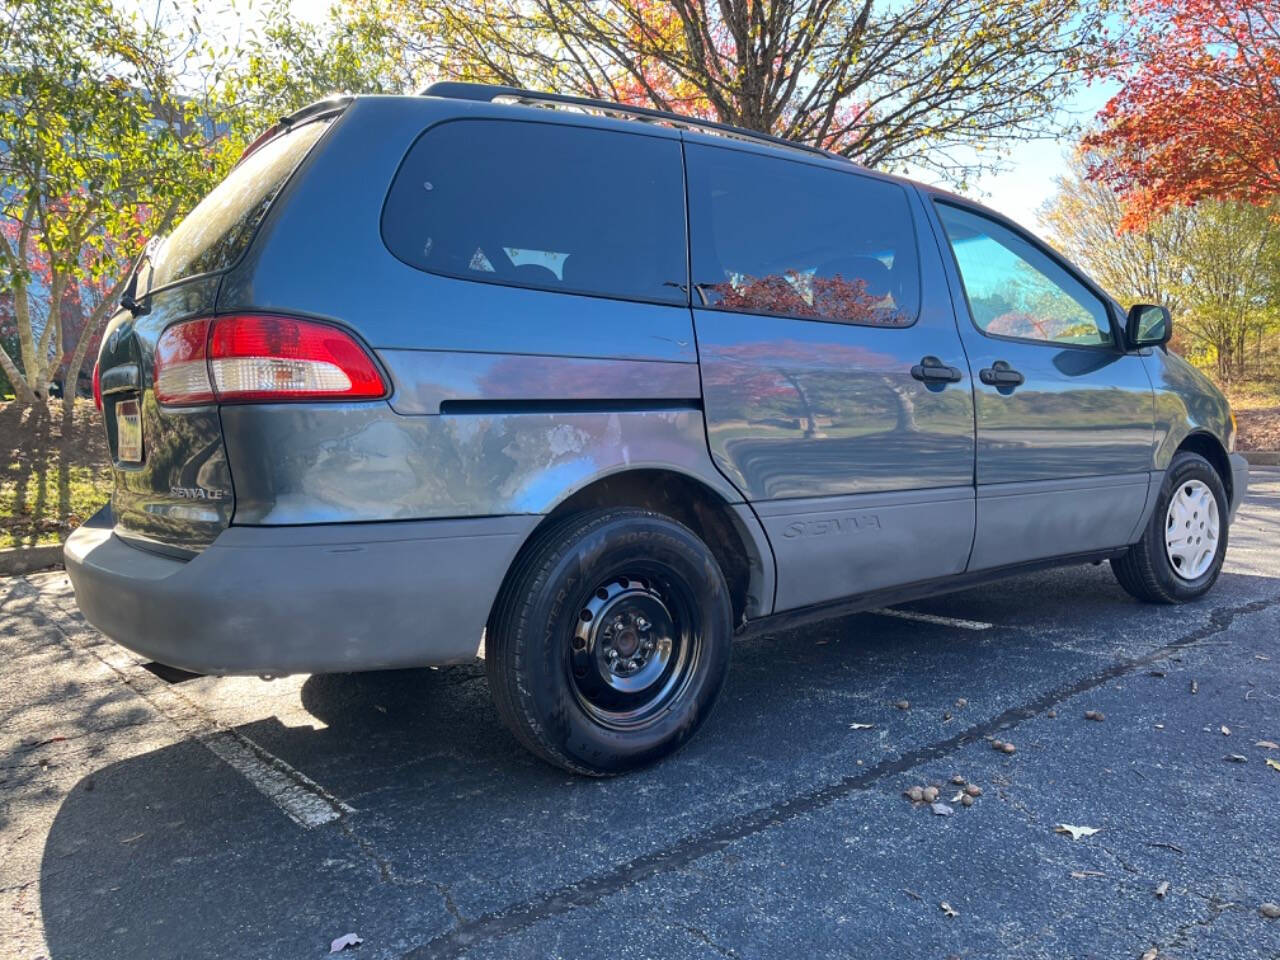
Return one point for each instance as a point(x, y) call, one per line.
point(779, 236)
point(543, 205)
point(213, 235)
point(1015, 289)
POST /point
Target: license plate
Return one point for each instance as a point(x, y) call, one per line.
point(128, 432)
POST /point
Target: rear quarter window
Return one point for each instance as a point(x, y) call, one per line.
point(544, 205)
point(214, 235)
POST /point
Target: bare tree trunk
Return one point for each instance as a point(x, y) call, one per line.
point(25, 383)
point(92, 324)
point(20, 388)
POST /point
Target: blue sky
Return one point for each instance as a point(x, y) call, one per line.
point(1031, 168)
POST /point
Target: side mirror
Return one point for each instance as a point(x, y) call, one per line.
point(1148, 326)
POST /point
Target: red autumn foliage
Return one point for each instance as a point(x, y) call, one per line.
point(656, 25)
point(1199, 114)
point(796, 294)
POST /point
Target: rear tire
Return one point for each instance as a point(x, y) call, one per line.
point(1182, 548)
point(610, 641)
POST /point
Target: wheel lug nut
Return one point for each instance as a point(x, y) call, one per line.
point(611, 653)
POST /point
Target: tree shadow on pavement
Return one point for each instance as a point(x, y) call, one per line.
point(173, 853)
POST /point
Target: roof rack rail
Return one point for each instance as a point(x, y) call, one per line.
point(456, 90)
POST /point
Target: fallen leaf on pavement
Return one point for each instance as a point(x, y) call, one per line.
point(1086, 874)
point(1095, 715)
point(344, 941)
point(903, 704)
point(1195, 687)
point(1267, 745)
point(961, 702)
point(1270, 910)
point(1236, 758)
point(1261, 656)
point(1151, 954)
point(1273, 763)
point(948, 909)
point(1226, 731)
point(136, 836)
point(860, 726)
point(1075, 832)
point(958, 797)
point(941, 809)
point(1162, 889)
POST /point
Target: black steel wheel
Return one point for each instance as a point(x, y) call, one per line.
point(610, 641)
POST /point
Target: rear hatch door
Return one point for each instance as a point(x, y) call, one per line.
point(173, 489)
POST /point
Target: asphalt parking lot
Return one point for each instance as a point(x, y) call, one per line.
point(245, 818)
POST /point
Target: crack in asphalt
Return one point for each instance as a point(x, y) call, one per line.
point(591, 890)
point(1217, 907)
point(705, 938)
point(387, 874)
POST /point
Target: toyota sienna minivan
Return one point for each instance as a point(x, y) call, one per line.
point(589, 390)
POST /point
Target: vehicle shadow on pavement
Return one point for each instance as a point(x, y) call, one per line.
point(174, 853)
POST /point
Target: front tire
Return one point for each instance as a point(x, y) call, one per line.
point(1182, 548)
point(610, 641)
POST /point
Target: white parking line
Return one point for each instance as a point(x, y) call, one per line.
point(934, 619)
point(301, 799)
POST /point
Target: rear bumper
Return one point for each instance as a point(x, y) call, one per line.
point(300, 599)
point(1239, 482)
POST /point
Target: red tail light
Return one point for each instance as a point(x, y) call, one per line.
point(97, 386)
point(182, 369)
point(247, 358)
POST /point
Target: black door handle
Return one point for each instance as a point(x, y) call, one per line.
point(933, 370)
point(1000, 374)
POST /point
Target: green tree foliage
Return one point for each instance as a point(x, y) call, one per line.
point(281, 63)
point(1216, 264)
point(97, 150)
point(115, 125)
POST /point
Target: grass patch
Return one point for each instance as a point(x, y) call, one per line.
point(55, 474)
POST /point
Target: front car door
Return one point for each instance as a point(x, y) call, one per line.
point(1065, 417)
point(835, 387)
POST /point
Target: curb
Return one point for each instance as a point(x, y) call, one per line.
point(1262, 458)
point(15, 561)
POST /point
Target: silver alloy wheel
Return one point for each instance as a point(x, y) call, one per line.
point(1191, 529)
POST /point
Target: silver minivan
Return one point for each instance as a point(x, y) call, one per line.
point(592, 389)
